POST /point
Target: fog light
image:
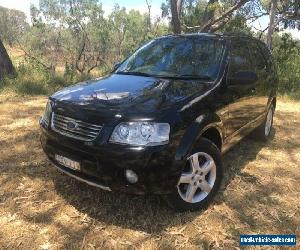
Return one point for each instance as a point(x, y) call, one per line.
point(131, 176)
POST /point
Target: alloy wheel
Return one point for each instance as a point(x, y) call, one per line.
point(198, 178)
point(269, 121)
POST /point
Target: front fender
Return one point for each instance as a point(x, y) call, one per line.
point(194, 131)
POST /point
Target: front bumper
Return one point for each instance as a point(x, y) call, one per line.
point(81, 177)
point(104, 165)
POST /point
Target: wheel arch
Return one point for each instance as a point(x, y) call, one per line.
point(208, 126)
point(213, 134)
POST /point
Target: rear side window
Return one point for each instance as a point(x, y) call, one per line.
point(268, 56)
point(258, 57)
point(240, 59)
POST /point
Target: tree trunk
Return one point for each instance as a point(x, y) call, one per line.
point(272, 23)
point(149, 16)
point(6, 66)
point(176, 6)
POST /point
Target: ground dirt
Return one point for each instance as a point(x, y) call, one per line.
point(41, 208)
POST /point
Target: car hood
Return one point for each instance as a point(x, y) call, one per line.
point(130, 94)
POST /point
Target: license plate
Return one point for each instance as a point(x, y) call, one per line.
point(75, 165)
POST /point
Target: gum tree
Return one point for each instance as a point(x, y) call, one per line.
point(6, 66)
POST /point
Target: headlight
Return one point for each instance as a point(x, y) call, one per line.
point(47, 113)
point(141, 133)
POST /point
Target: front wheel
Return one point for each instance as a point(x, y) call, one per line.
point(199, 180)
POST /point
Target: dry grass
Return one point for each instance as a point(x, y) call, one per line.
point(43, 209)
point(15, 53)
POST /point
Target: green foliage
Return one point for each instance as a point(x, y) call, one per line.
point(193, 13)
point(237, 24)
point(70, 41)
point(12, 25)
point(73, 40)
point(196, 13)
point(286, 52)
point(78, 33)
point(32, 79)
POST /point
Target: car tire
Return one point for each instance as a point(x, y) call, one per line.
point(199, 180)
point(263, 132)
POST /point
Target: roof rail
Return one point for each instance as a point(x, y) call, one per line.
point(240, 34)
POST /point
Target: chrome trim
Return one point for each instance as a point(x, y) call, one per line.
point(83, 131)
point(81, 179)
point(43, 122)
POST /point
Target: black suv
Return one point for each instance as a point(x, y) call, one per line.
point(161, 120)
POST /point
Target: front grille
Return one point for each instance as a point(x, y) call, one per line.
point(74, 128)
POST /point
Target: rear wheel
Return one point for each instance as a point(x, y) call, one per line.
point(263, 132)
point(199, 180)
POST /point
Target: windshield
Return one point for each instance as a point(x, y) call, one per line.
point(182, 57)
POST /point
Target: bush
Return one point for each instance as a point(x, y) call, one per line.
point(286, 53)
point(33, 79)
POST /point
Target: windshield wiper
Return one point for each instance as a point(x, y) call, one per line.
point(194, 77)
point(134, 73)
point(186, 76)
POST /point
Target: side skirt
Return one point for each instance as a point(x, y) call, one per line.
point(238, 135)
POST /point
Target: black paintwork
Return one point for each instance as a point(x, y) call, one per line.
point(191, 107)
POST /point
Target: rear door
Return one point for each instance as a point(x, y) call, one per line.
point(242, 104)
point(262, 89)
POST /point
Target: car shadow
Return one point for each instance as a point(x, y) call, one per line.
point(148, 213)
point(241, 154)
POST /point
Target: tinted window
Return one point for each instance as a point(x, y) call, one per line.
point(207, 58)
point(239, 58)
point(180, 56)
point(268, 56)
point(258, 58)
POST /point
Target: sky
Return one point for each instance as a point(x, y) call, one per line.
point(24, 5)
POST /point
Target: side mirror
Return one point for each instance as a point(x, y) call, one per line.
point(243, 78)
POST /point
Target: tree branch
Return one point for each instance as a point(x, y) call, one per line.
point(227, 13)
point(219, 25)
point(80, 54)
point(254, 18)
point(149, 14)
point(33, 57)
